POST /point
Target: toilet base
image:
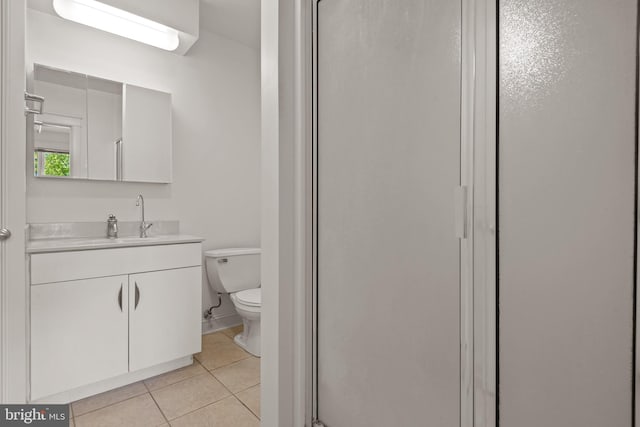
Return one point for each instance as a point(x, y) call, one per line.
point(249, 339)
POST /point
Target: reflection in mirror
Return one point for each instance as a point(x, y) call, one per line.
point(93, 128)
point(51, 149)
point(75, 136)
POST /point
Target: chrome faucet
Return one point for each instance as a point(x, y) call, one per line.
point(144, 226)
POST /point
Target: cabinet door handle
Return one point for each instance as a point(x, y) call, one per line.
point(120, 296)
point(137, 296)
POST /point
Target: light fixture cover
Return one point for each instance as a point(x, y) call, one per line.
point(117, 21)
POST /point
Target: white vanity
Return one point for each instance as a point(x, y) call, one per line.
point(108, 312)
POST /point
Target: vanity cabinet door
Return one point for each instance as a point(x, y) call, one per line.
point(78, 333)
point(164, 316)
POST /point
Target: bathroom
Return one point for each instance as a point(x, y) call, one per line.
point(195, 115)
point(436, 201)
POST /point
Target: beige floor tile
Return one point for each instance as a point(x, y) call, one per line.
point(240, 375)
point(107, 398)
point(189, 395)
point(251, 398)
point(139, 411)
point(175, 376)
point(225, 413)
point(213, 338)
point(232, 332)
point(219, 350)
point(210, 341)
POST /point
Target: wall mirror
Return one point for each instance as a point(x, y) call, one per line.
point(98, 129)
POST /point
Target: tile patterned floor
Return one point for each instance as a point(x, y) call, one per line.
point(220, 389)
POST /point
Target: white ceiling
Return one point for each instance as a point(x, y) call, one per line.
point(238, 20)
point(235, 19)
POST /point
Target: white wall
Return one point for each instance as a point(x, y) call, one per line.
point(216, 134)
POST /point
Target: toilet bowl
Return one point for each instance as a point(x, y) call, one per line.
point(236, 271)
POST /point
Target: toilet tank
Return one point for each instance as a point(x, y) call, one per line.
point(232, 270)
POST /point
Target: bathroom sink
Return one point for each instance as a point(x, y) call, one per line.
point(79, 244)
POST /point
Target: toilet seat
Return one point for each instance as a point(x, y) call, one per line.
point(250, 297)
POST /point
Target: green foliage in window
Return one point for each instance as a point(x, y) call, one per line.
point(56, 164)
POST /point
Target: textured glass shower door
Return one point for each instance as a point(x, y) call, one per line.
point(567, 187)
point(387, 258)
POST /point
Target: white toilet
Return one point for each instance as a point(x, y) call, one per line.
point(237, 272)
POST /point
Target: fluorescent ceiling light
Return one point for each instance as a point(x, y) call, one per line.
point(117, 21)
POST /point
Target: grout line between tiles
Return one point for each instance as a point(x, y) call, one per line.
point(112, 404)
point(202, 407)
point(156, 402)
point(213, 403)
point(158, 406)
point(245, 389)
point(210, 403)
point(224, 366)
point(249, 356)
point(243, 404)
point(178, 382)
point(221, 383)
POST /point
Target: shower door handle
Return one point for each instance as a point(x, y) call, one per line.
point(460, 211)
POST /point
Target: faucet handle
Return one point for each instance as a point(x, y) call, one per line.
point(144, 226)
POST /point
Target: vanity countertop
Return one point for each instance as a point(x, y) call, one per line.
point(89, 243)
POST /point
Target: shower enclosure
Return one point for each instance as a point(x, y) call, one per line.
point(474, 213)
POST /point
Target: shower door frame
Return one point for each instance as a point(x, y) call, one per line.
point(478, 173)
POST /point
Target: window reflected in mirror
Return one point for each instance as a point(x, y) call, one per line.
point(51, 163)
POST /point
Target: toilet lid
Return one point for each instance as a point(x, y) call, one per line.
point(252, 297)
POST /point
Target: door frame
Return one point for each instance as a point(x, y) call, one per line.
point(13, 289)
point(285, 209)
point(481, 29)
